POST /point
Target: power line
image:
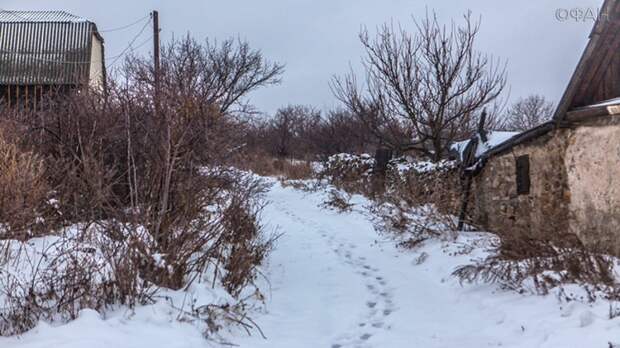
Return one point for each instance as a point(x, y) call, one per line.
point(19, 16)
point(131, 43)
point(124, 26)
point(132, 49)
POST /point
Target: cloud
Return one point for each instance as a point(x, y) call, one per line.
point(318, 38)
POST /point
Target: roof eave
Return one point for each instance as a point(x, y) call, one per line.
point(602, 23)
point(584, 113)
point(518, 139)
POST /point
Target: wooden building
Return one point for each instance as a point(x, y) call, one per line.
point(45, 52)
point(562, 177)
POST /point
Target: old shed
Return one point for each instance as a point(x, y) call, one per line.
point(47, 51)
point(562, 176)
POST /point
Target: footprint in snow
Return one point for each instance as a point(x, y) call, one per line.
point(379, 302)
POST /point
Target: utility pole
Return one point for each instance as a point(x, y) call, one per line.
point(156, 71)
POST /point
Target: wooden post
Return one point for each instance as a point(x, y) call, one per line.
point(466, 190)
point(156, 52)
point(481, 124)
point(382, 158)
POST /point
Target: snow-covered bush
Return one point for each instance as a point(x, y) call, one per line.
point(413, 224)
point(245, 244)
point(352, 173)
point(348, 167)
point(424, 182)
point(105, 263)
point(416, 200)
point(413, 181)
point(400, 169)
point(52, 278)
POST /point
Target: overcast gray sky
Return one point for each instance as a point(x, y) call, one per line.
point(318, 38)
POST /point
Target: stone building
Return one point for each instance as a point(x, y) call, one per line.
point(564, 175)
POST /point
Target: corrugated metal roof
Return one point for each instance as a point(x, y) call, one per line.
point(39, 16)
point(44, 48)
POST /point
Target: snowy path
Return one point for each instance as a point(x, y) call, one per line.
point(336, 283)
point(331, 291)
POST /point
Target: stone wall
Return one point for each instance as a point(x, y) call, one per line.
point(575, 187)
point(593, 171)
point(498, 208)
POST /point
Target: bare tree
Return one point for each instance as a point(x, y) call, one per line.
point(219, 74)
point(303, 132)
point(424, 88)
point(287, 131)
point(339, 131)
point(528, 112)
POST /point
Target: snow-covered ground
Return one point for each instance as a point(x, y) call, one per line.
point(334, 282)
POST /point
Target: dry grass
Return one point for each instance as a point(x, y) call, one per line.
point(267, 165)
point(23, 191)
point(538, 266)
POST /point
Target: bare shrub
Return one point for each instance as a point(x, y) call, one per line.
point(537, 266)
point(412, 225)
point(303, 133)
point(286, 132)
point(145, 166)
point(338, 131)
point(245, 245)
point(341, 201)
point(56, 277)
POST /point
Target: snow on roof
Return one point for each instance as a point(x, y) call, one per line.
point(494, 138)
point(39, 16)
